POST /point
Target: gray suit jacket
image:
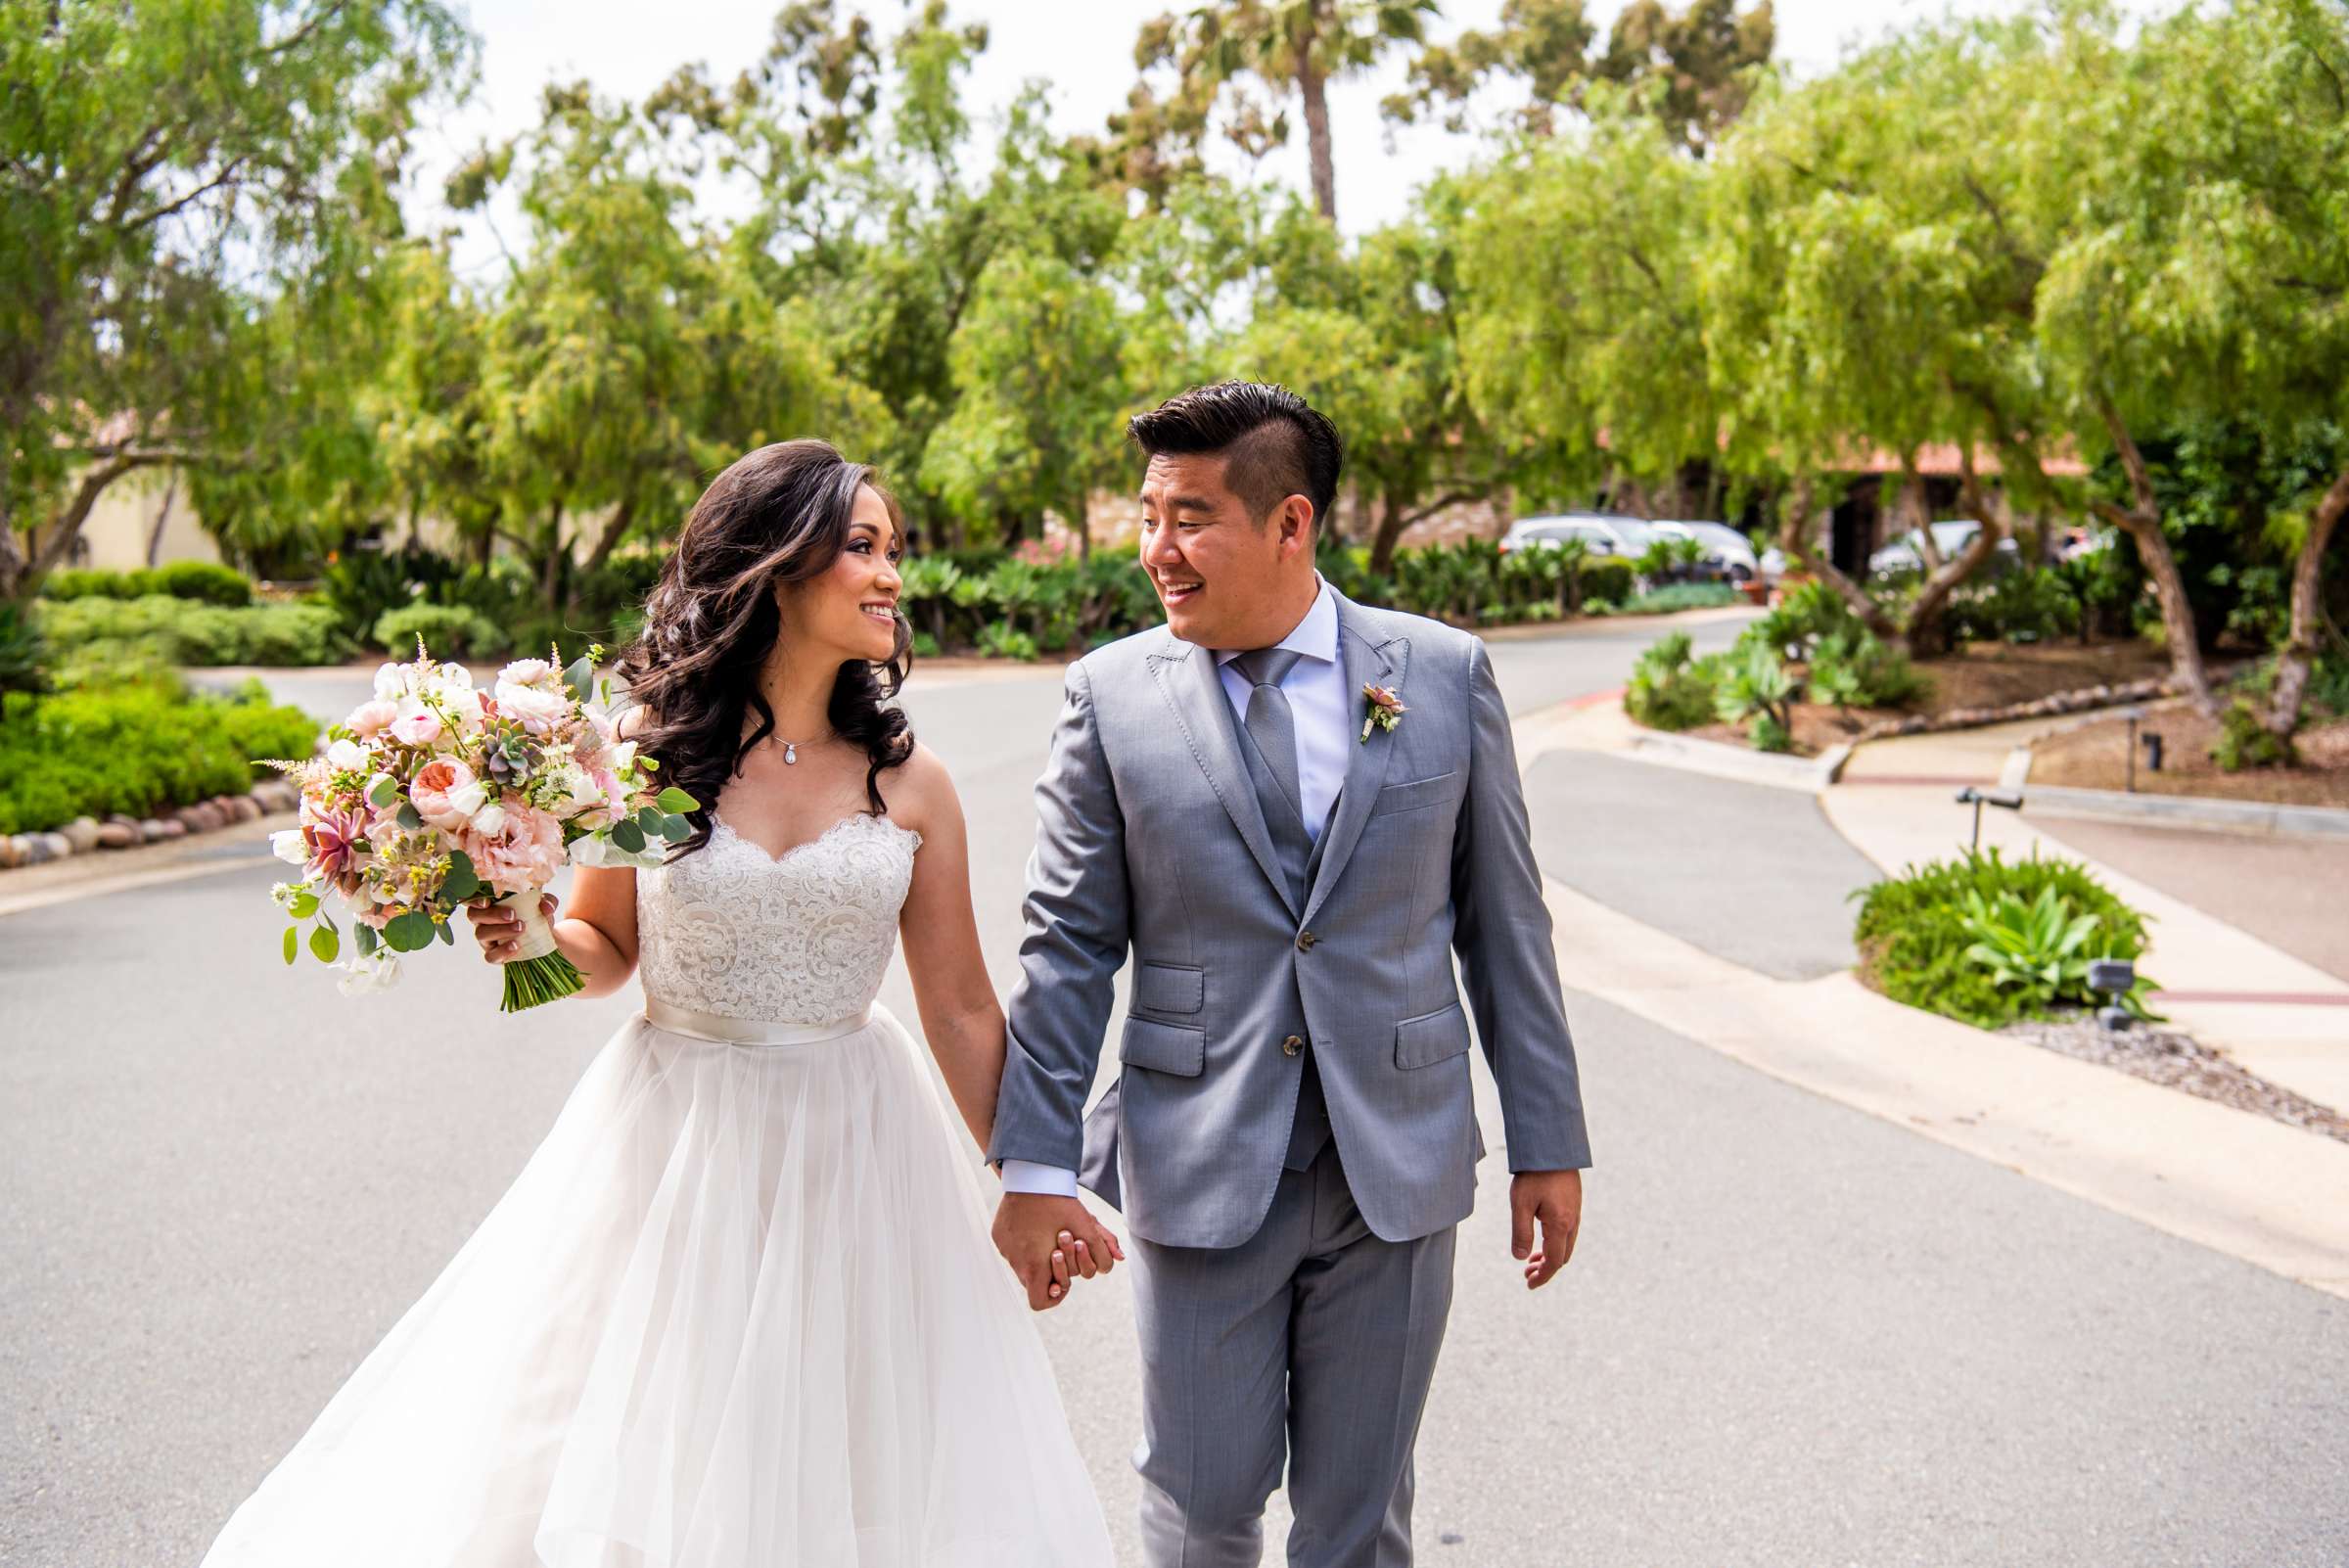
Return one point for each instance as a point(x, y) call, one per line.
point(1151, 838)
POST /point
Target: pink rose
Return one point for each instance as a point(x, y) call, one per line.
point(370, 720)
point(525, 853)
point(433, 787)
point(418, 726)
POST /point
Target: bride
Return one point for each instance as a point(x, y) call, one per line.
point(740, 1309)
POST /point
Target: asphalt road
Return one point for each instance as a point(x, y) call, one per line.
point(1793, 1334)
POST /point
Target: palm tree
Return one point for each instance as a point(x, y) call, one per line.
point(1284, 43)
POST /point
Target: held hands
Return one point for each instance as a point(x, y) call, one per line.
point(1050, 1241)
point(1555, 1199)
point(498, 929)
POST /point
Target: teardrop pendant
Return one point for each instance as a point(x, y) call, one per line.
point(791, 753)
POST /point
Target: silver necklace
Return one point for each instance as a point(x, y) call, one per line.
point(790, 749)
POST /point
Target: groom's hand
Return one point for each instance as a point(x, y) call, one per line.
point(1555, 1199)
point(1031, 1228)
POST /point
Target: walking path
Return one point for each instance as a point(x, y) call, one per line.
point(1682, 947)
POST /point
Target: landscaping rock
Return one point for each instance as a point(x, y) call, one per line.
point(118, 835)
point(10, 855)
point(60, 847)
point(81, 833)
point(194, 819)
point(248, 808)
point(173, 828)
point(31, 849)
point(152, 829)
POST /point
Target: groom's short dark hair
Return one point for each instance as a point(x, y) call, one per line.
point(1274, 445)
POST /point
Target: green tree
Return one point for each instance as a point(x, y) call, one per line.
point(1701, 62)
point(1041, 395)
point(1585, 333)
point(2204, 271)
point(189, 181)
point(1282, 45)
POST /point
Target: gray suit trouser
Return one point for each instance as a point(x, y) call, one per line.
point(1312, 1341)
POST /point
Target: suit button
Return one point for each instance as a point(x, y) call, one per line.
point(1306, 941)
point(1292, 1045)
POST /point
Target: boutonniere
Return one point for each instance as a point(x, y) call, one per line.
point(1385, 710)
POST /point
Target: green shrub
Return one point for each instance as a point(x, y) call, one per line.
point(23, 653)
point(202, 582)
point(2245, 741)
point(2037, 604)
point(1862, 670)
point(159, 629)
point(138, 748)
point(1755, 684)
point(448, 630)
point(1680, 596)
point(1000, 640)
point(1667, 689)
point(1917, 933)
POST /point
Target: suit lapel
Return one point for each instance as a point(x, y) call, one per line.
point(1194, 694)
point(1369, 661)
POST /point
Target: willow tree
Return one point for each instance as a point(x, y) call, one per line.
point(2205, 270)
point(1285, 45)
point(193, 185)
point(1583, 334)
point(1879, 240)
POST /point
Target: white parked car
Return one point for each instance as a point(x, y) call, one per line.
point(1726, 547)
point(1951, 537)
point(1602, 532)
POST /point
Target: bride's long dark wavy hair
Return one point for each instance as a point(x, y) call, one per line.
point(780, 514)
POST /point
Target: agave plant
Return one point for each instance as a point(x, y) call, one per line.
point(1758, 685)
point(2039, 949)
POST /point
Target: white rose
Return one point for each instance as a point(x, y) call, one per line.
point(530, 673)
point(347, 754)
point(391, 682)
point(286, 844)
point(534, 707)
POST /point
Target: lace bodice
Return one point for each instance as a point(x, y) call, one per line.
point(800, 940)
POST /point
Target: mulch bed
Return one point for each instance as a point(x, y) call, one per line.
point(2177, 1061)
point(2095, 757)
point(1981, 676)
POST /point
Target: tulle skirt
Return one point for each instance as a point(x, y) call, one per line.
point(739, 1311)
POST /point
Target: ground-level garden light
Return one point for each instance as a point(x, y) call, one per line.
point(2012, 800)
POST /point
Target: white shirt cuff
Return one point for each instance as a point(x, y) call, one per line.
point(1026, 1175)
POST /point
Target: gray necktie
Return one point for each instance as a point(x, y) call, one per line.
point(1271, 723)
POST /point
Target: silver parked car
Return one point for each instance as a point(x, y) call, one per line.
point(1951, 537)
point(1727, 549)
point(1603, 532)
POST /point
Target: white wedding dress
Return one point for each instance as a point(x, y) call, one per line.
point(739, 1311)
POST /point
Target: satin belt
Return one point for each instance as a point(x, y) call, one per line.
point(723, 1031)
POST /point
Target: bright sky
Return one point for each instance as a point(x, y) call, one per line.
point(1082, 47)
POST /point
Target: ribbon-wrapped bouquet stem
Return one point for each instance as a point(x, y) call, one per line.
point(437, 791)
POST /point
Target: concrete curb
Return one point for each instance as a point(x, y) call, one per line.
point(1808, 774)
point(2266, 818)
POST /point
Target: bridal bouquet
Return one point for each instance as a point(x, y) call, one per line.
point(435, 792)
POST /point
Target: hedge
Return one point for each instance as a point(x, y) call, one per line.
point(136, 749)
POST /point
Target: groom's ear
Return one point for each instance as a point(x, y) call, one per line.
point(1294, 517)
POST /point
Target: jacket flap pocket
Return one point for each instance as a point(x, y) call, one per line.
point(1169, 988)
point(1435, 1038)
point(1417, 793)
point(1164, 1047)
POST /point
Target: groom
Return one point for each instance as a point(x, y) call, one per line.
point(1291, 1137)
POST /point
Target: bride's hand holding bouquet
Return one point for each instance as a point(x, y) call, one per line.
point(436, 794)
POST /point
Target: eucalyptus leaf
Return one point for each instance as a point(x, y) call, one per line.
point(408, 819)
point(448, 938)
point(676, 800)
point(628, 836)
point(367, 938)
point(381, 789)
point(648, 819)
point(293, 942)
point(580, 678)
point(325, 946)
point(675, 829)
point(303, 905)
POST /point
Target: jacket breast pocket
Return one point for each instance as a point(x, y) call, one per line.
point(1164, 1047)
point(1410, 797)
point(1432, 1038)
point(1169, 987)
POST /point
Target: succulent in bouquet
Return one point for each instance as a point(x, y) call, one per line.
point(437, 791)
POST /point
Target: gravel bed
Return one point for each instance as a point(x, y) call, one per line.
point(2178, 1061)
